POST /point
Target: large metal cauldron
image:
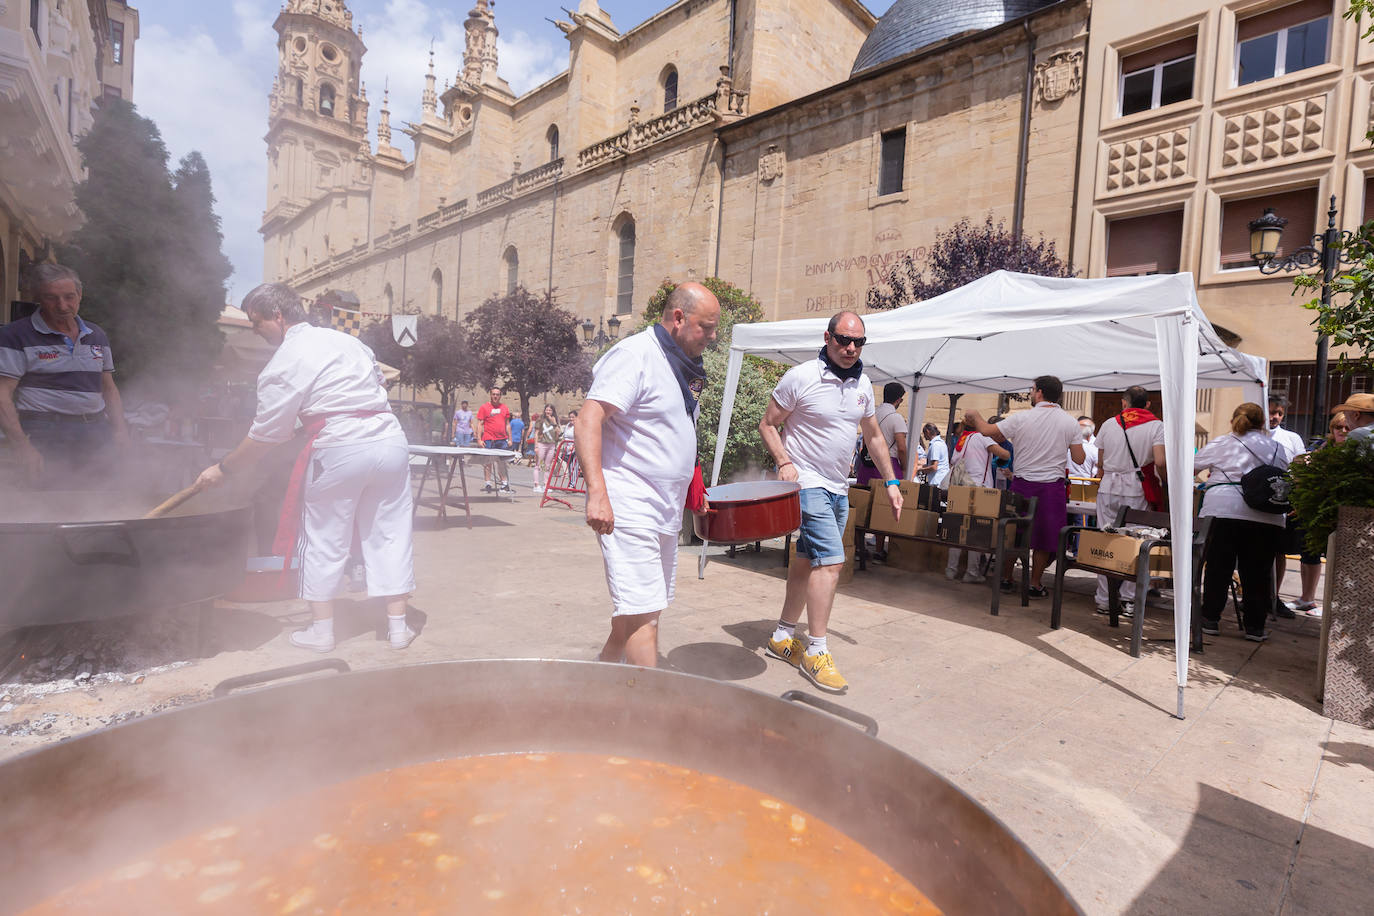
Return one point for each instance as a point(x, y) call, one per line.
point(81, 807)
point(67, 555)
point(741, 513)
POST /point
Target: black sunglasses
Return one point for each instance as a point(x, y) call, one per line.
point(845, 340)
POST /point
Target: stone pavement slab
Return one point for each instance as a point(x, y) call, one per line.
point(1255, 803)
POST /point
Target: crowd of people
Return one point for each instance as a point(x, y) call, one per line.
point(635, 447)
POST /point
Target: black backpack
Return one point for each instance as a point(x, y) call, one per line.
point(1265, 488)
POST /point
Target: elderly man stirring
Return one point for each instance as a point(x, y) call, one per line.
point(356, 454)
point(58, 401)
point(818, 404)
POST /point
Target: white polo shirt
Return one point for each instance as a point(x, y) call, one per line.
point(1292, 443)
point(1040, 437)
point(649, 447)
point(824, 413)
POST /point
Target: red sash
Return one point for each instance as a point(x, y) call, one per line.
point(289, 522)
point(963, 437)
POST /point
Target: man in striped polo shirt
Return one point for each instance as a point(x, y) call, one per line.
point(59, 407)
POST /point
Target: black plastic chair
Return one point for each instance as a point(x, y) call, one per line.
point(1127, 516)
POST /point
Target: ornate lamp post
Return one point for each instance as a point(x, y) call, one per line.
point(1325, 252)
point(595, 336)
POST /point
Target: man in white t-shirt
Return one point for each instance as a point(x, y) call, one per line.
point(637, 447)
point(971, 465)
point(1292, 539)
point(818, 404)
point(1135, 431)
point(1040, 436)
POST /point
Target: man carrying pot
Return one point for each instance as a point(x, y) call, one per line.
point(636, 443)
point(818, 404)
point(353, 472)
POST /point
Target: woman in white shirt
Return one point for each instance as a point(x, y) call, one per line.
point(1242, 538)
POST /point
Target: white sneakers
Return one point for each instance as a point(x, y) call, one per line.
point(318, 639)
point(312, 639)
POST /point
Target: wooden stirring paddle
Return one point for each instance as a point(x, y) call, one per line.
point(172, 502)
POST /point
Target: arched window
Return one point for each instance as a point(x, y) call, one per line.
point(552, 137)
point(390, 298)
point(625, 267)
point(327, 100)
point(436, 283)
point(300, 92)
point(669, 88)
point(512, 269)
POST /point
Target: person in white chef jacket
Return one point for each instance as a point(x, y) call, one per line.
point(353, 472)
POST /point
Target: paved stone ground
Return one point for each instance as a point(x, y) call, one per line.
point(1255, 803)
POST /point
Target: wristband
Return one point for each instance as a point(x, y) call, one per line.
point(222, 469)
point(893, 483)
point(783, 465)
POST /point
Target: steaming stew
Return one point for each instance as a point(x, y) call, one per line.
point(530, 834)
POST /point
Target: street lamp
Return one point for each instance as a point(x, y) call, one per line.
point(595, 336)
point(1327, 252)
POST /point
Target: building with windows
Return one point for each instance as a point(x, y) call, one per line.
point(118, 75)
point(802, 150)
point(55, 65)
point(1198, 116)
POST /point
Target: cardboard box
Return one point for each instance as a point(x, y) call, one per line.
point(916, 556)
point(1084, 491)
point(930, 498)
point(860, 502)
point(1119, 553)
point(953, 527)
point(984, 502)
point(880, 517)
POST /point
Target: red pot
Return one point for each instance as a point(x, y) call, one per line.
point(741, 513)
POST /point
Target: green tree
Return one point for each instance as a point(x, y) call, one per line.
point(527, 342)
point(149, 251)
point(744, 450)
point(441, 358)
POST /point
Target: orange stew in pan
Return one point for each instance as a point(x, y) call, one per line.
point(511, 834)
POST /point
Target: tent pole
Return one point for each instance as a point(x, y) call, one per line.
point(1180, 704)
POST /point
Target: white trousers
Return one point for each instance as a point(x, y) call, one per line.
point(1108, 506)
point(367, 487)
point(641, 569)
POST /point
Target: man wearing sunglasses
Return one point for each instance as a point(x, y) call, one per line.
point(818, 404)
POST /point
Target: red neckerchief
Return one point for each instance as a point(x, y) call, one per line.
point(289, 522)
point(1135, 416)
point(963, 437)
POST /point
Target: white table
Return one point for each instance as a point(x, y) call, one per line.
point(456, 457)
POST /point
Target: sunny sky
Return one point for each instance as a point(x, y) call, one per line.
point(203, 71)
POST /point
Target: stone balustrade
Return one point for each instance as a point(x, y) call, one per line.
point(497, 193)
point(541, 175)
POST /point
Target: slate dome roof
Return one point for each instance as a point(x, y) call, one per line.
point(913, 24)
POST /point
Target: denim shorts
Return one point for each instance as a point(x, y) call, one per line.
point(823, 517)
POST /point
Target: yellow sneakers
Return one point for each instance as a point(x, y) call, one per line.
point(820, 670)
point(789, 650)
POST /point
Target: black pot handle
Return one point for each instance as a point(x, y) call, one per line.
point(226, 687)
point(92, 557)
point(868, 723)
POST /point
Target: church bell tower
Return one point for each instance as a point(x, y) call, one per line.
point(317, 121)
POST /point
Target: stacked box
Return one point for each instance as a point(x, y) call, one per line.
point(984, 502)
point(1084, 491)
point(880, 518)
point(860, 501)
point(953, 527)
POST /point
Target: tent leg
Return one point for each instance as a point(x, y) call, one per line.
point(701, 562)
point(1179, 715)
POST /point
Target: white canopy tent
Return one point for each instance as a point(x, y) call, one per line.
point(998, 333)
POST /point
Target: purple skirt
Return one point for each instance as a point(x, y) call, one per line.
point(1051, 512)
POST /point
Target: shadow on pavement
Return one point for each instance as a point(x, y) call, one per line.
point(720, 661)
point(1237, 857)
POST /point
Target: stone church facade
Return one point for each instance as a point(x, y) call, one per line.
point(800, 149)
